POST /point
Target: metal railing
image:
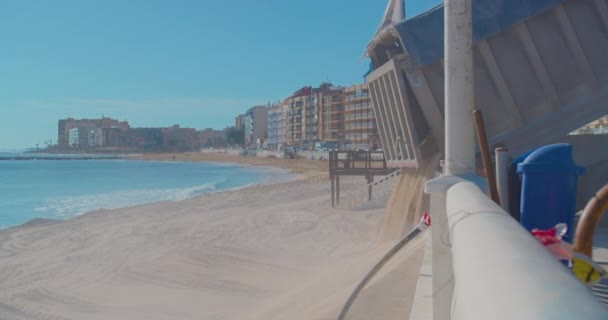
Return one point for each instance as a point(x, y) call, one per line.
point(382, 189)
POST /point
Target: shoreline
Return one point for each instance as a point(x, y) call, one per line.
point(301, 166)
point(286, 176)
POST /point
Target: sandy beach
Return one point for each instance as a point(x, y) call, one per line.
point(303, 167)
point(264, 252)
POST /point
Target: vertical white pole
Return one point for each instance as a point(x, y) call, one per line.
point(459, 145)
point(459, 100)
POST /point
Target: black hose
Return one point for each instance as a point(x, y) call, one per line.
point(409, 237)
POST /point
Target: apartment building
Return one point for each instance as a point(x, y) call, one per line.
point(284, 124)
point(145, 138)
point(256, 126)
point(297, 104)
point(274, 126)
point(331, 116)
point(86, 133)
point(307, 113)
point(360, 131)
point(110, 134)
point(178, 139)
point(239, 121)
point(327, 116)
point(210, 137)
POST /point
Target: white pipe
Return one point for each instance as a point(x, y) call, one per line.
point(503, 159)
point(502, 272)
point(459, 99)
point(443, 279)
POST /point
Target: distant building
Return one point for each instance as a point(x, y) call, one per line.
point(360, 131)
point(180, 139)
point(256, 126)
point(278, 125)
point(239, 121)
point(116, 138)
point(298, 103)
point(86, 133)
point(96, 137)
point(147, 138)
point(212, 138)
point(109, 134)
point(331, 116)
point(248, 129)
point(274, 126)
point(284, 125)
point(73, 136)
point(325, 117)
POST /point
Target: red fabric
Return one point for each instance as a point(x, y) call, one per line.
point(425, 222)
point(426, 218)
point(546, 237)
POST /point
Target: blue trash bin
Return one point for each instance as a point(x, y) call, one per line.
point(514, 185)
point(549, 183)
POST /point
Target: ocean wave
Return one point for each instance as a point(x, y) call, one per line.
point(69, 206)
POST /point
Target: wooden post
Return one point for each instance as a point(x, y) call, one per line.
point(370, 179)
point(384, 161)
point(485, 155)
point(332, 156)
point(338, 189)
point(333, 197)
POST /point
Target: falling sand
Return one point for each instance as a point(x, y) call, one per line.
point(408, 201)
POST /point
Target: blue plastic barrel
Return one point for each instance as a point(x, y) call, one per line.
point(549, 183)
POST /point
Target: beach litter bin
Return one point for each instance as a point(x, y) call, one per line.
point(548, 191)
point(514, 185)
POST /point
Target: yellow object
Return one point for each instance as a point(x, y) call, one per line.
point(583, 266)
point(586, 270)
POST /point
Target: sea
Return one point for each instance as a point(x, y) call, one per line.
point(61, 189)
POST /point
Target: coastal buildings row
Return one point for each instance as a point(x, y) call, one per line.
point(327, 116)
point(111, 135)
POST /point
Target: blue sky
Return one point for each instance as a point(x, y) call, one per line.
point(157, 63)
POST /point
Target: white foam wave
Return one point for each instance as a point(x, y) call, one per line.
point(64, 207)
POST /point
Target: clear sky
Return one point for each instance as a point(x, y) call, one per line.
point(196, 63)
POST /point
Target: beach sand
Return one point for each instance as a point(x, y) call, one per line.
point(304, 167)
point(264, 252)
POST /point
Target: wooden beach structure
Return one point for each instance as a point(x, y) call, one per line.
point(355, 163)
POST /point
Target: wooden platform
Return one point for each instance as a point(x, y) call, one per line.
point(355, 163)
